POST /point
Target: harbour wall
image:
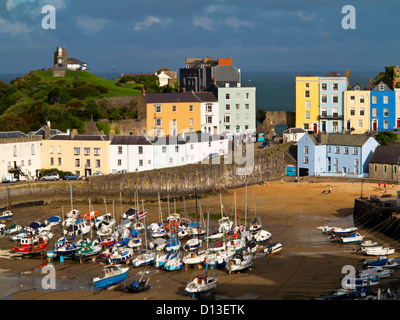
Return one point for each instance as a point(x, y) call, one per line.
point(269, 164)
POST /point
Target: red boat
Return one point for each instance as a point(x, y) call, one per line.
point(90, 215)
point(37, 246)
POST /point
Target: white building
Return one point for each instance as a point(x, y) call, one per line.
point(293, 134)
point(130, 153)
point(75, 64)
point(169, 152)
point(20, 156)
point(201, 146)
point(209, 112)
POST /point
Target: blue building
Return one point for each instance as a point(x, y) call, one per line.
point(331, 101)
point(383, 108)
point(334, 155)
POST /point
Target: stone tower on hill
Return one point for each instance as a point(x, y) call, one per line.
point(60, 62)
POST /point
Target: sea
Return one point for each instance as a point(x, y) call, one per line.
point(275, 91)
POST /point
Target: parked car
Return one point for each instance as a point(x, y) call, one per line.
point(72, 177)
point(396, 130)
point(265, 144)
point(211, 156)
point(50, 177)
point(97, 173)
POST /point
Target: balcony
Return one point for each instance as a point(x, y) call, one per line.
point(334, 116)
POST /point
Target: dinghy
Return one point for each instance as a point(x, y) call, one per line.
point(273, 248)
point(138, 286)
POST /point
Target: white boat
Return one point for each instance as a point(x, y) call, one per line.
point(377, 251)
point(219, 258)
point(273, 248)
point(355, 237)
point(235, 244)
point(53, 221)
point(193, 244)
point(13, 229)
point(336, 230)
point(158, 244)
point(135, 242)
point(368, 243)
point(262, 236)
point(161, 258)
point(225, 225)
point(78, 228)
point(174, 262)
point(6, 215)
point(193, 258)
point(239, 262)
point(379, 272)
point(144, 259)
point(117, 255)
point(201, 283)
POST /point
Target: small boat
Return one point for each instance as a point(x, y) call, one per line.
point(130, 214)
point(356, 283)
point(113, 275)
point(78, 228)
point(158, 244)
point(273, 248)
point(239, 262)
point(160, 259)
point(201, 283)
point(143, 259)
point(88, 248)
point(118, 255)
point(173, 263)
point(36, 246)
point(6, 215)
point(194, 257)
point(173, 244)
point(135, 242)
point(219, 258)
point(377, 251)
point(352, 238)
point(89, 215)
point(378, 272)
point(225, 225)
point(383, 262)
point(193, 244)
point(138, 286)
point(368, 243)
point(53, 221)
point(235, 244)
point(13, 229)
point(336, 230)
point(341, 293)
point(262, 236)
point(63, 247)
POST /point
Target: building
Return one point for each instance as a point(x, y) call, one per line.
point(82, 155)
point(293, 134)
point(166, 77)
point(199, 74)
point(60, 62)
point(175, 113)
point(356, 109)
point(383, 108)
point(331, 104)
point(76, 65)
point(20, 156)
point(384, 163)
point(335, 155)
point(307, 103)
point(397, 106)
point(169, 152)
point(130, 154)
point(237, 107)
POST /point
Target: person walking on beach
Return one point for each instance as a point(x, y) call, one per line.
point(329, 191)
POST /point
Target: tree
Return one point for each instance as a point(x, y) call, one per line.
point(261, 115)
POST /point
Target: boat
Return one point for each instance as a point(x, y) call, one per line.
point(172, 244)
point(135, 242)
point(63, 247)
point(336, 230)
point(158, 244)
point(235, 244)
point(273, 248)
point(340, 293)
point(356, 283)
point(368, 243)
point(239, 261)
point(225, 225)
point(352, 238)
point(379, 272)
point(201, 283)
point(6, 215)
point(130, 214)
point(113, 275)
point(377, 251)
point(88, 248)
point(117, 255)
point(53, 221)
point(160, 259)
point(78, 228)
point(138, 286)
point(219, 258)
point(383, 262)
point(143, 259)
point(262, 236)
point(13, 229)
point(89, 215)
point(173, 263)
point(194, 257)
point(193, 244)
point(36, 246)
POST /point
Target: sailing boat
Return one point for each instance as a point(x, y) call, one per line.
point(261, 235)
point(255, 227)
point(202, 283)
point(239, 261)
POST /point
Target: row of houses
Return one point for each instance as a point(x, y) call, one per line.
point(22, 156)
point(330, 104)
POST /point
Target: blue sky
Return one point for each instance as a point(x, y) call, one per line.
point(143, 36)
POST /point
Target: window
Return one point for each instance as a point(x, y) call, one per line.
point(305, 149)
point(329, 149)
point(29, 162)
point(97, 163)
point(247, 117)
point(88, 163)
point(355, 151)
point(176, 148)
point(335, 112)
point(171, 160)
point(385, 112)
point(157, 122)
point(324, 112)
point(307, 116)
point(355, 170)
point(59, 161)
point(227, 118)
point(305, 160)
point(307, 85)
point(356, 162)
point(164, 149)
point(352, 99)
point(157, 108)
point(97, 151)
point(375, 168)
point(119, 149)
point(228, 107)
point(324, 86)
point(51, 150)
point(209, 119)
point(77, 162)
point(352, 111)
point(52, 161)
point(360, 123)
point(384, 168)
point(336, 169)
point(337, 150)
point(308, 104)
point(209, 108)
point(237, 96)
point(386, 124)
point(77, 151)
point(190, 121)
point(324, 98)
point(346, 150)
point(227, 96)
point(173, 108)
point(191, 108)
point(86, 151)
point(362, 99)
point(140, 150)
point(58, 149)
point(335, 161)
point(174, 122)
point(374, 112)
point(395, 169)
point(119, 162)
point(237, 117)
point(335, 86)
point(247, 106)
point(381, 87)
point(362, 111)
point(335, 126)
point(140, 163)
point(374, 99)
point(247, 96)
point(306, 126)
point(307, 94)
point(32, 149)
point(335, 98)
point(237, 106)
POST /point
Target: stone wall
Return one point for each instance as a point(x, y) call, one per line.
point(273, 118)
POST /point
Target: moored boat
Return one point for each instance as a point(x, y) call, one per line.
point(113, 275)
point(273, 248)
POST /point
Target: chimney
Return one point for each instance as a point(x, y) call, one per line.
point(74, 133)
point(46, 131)
point(347, 74)
point(111, 134)
point(369, 84)
point(143, 91)
point(297, 74)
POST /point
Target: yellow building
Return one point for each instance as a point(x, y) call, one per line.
point(170, 113)
point(82, 155)
point(307, 103)
point(356, 109)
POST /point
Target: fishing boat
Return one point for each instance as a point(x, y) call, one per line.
point(378, 272)
point(201, 283)
point(368, 243)
point(113, 275)
point(377, 251)
point(63, 247)
point(239, 261)
point(352, 238)
point(6, 215)
point(138, 286)
point(273, 248)
point(36, 246)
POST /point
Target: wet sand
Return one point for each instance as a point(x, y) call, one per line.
point(308, 266)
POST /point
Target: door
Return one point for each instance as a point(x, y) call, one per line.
point(374, 126)
point(348, 125)
point(323, 129)
point(315, 128)
point(398, 123)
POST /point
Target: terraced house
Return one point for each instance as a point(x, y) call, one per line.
point(356, 109)
point(383, 108)
point(307, 103)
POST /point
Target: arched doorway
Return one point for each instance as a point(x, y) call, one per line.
point(374, 125)
point(348, 125)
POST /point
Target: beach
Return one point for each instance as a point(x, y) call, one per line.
point(309, 265)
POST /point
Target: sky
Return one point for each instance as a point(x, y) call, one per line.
point(146, 35)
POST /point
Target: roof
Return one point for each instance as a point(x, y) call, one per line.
point(385, 88)
point(179, 97)
point(167, 141)
point(130, 140)
point(73, 60)
point(41, 132)
point(357, 86)
point(162, 69)
point(386, 154)
point(12, 134)
point(80, 137)
point(339, 139)
point(332, 74)
point(232, 84)
point(295, 130)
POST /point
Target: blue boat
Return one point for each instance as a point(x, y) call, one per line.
point(113, 275)
point(173, 244)
point(6, 215)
